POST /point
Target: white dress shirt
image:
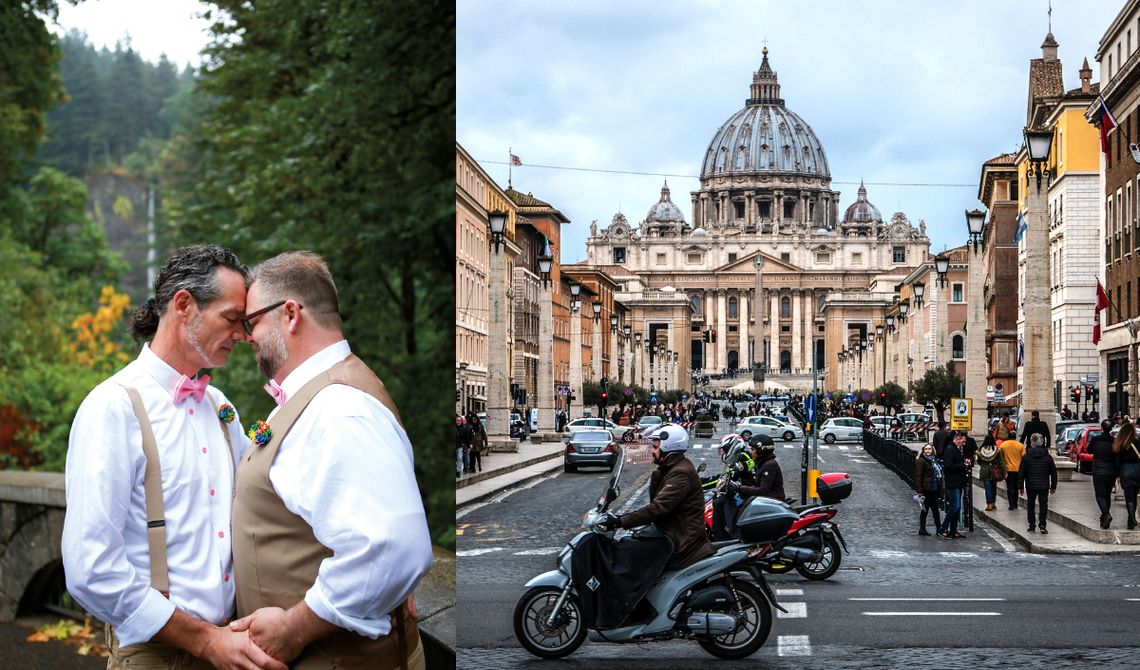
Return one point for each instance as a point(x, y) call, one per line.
point(346, 469)
point(105, 554)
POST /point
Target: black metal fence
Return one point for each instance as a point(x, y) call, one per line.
point(891, 453)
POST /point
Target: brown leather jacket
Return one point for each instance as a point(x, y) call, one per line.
point(677, 507)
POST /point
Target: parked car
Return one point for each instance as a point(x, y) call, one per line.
point(591, 447)
point(705, 428)
point(518, 426)
point(1080, 445)
point(882, 424)
point(648, 421)
point(841, 429)
point(916, 417)
point(766, 425)
point(1069, 437)
point(594, 422)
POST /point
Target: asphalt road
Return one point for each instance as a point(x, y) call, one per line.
point(898, 600)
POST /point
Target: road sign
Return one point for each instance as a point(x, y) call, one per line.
point(653, 398)
point(809, 407)
point(960, 418)
point(684, 397)
point(999, 387)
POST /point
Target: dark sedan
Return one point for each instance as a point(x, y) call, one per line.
point(591, 447)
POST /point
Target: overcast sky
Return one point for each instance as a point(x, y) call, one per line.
point(155, 27)
point(897, 92)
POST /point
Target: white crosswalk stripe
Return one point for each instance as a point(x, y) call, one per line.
point(793, 645)
point(795, 611)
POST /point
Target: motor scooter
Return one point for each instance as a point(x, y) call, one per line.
point(616, 590)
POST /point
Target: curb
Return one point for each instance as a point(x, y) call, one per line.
point(490, 474)
point(526, 480)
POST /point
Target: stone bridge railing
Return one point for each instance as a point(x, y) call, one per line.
point(31, 566)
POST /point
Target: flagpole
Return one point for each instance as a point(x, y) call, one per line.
point(510, 163)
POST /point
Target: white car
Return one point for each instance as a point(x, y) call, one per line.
point(766, 425)
point(841, 429)
point(594, 423)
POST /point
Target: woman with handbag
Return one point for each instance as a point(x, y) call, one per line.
point(928, 484)
point(1129, 460)
point(991, 470)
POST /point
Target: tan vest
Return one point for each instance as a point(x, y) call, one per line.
point(276, 555)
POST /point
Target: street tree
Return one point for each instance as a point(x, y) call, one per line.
point(937, 387)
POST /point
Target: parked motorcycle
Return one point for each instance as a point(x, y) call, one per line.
point(618, 590)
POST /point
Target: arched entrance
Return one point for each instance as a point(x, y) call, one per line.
point(785, 361)
point(733, 360)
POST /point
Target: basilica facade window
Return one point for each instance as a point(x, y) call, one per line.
point(785, 306)
point(898, 254)
point(732, 308)
point(696, 300)
point(619, 255)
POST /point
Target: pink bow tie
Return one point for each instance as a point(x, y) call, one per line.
point(191, 387)
point(276, 391)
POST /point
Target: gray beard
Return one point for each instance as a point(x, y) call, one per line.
point(271, 353)
point(192, 339)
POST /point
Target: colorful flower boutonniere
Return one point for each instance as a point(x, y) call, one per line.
point(227, 413)
point(260, 434)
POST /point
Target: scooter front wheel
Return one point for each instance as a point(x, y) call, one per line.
point(828, 563)
point(751, 632)
point(536, 635)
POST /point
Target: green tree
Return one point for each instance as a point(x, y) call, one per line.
point(328, 127)
point(937, 387)
point(891, 395)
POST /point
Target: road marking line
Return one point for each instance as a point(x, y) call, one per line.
point(789, 592)
point(698, 446)
point(795, 611)
point(499, 497)
point(958, 554)
point(477, 552)
point(790, 446)
point(793, 645)
point(928, 599)
point(538, 552)
point(931, 613)
point(629, 504)
point(888, 553)
point(843, 447)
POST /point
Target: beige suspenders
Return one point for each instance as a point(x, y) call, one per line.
point(152, 486)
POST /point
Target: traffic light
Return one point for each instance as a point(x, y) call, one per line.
point(712, 334)
point(1095, 394)
point(604, 396)
point(705, 335)
point(1075, 396)
point(882, 397)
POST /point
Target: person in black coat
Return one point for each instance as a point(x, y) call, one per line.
point(1104, 470)
point(940, 439)
point(1035, 426)
point(1128, 457)
point(954, 474)
point(1038, 476)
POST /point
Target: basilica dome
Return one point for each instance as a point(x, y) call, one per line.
point(664, 211)
point(862, 211)
point(765, 137)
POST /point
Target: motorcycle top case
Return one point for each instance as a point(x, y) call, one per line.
point(764, 520)
point(833, 487)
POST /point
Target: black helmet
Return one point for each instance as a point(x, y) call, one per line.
point(761, 442)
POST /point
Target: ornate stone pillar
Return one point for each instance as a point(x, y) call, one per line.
point(721, 328)
point(749, 208)
point(546, 360)
point(498, 381)
point(774, 329)
point(596, 351)
point(614, 376)
point(941, 326)
point(777, 214)
point(576, 355)
point(976, 344)
point(797, 329)
point(1037, 390)
point(745, 360)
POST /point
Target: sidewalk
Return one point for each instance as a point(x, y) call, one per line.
point(502, 470)
point(1074, 521)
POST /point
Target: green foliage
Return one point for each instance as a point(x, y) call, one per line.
point(326, 127)
point(937, 387)
point(896, 396)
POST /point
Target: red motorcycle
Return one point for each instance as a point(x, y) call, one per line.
point(814, 530)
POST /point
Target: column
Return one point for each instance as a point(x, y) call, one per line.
point(710, 322)
point(615, 378)
point(498, 381)
point(976, 345)
point(576, 357)
point(742, 307)
point(546, 360)
point(1037, 392)
point(797, 329)
point(596, 353)
point(721, 328)
point(941, 326)
point(777, 219)
point(774, 330)
point(761, 331)
point(749, 207)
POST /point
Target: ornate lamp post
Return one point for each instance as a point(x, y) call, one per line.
point(498, 381)
point(879, 333)
point(1037, 371)
point(546, 344)
point(627, 352)
point(942, 266)
point(596, 354)
point(575, 346)
point(639, 372)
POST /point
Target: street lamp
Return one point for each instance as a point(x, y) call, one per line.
point(597, 311)
point(575, 291)
point(976, 225)
point(891, 323)
point(545, 262)
point(919, 291)
point(613, 323)
point(942, 266)
point(1038, 142)
point(904, 306)
point(498, 221)
point(637, 338)
point(625, 331)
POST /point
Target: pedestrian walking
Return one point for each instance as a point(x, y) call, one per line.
point(1035, 426)
point(463, 440)
point(1104, 469)
point(991, 470)
point(954, 474)
point(1128, 456)
point(1038, 474)
point(478, 444)
point(927, 485)
point(1012, 452)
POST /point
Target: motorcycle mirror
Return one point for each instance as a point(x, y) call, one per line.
point(701, 467)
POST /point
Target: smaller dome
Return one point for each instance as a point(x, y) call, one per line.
point(699, 232)
point(862, 211)
point(664, 210)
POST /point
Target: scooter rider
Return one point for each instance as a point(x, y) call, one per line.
point(676, 504)
point(769, 476)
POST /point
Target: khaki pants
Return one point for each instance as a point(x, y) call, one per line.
point(150, 656)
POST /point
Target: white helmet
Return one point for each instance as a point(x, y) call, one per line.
point(726, 444)
point(673, 438)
